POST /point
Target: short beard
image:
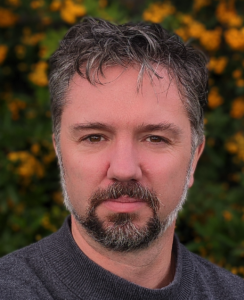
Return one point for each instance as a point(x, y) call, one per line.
point(118, 232)
point(121, 234)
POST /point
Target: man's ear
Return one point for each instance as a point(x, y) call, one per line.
point(197, 154)
point(54, 144)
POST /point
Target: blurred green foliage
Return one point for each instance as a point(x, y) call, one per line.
point(212, 222)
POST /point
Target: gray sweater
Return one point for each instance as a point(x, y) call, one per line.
point(55, 268)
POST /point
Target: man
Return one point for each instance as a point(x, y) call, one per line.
point(127, 107)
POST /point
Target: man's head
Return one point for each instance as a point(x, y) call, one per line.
point(128, 128)
point(92, 45)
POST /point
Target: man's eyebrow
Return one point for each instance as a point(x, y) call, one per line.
point(141, 128)
point(87, 126)
point(161, 127)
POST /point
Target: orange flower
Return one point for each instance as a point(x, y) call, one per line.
point(237, 108)
point(237, 74)
point(235, 145)
point(70, 11)
point(20, 51)
point(28, 164)
point(39, 74)
point(183, 33)
point(217, 64)
point(15, 106)
point(199, 4)
point(196, 29)
point(226, 14)
point(211, 39)
point(7, 18)
point(214, 98)
point(157, 12)
point(235, 38)
point(227, 215)
point(55, 5)
point(14, 2)
point(103, 3)
point(36, 4)
point(3, 53)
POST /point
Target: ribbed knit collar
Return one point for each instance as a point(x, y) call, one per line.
point(87, 280)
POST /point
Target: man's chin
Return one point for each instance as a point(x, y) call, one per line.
point(122, 232)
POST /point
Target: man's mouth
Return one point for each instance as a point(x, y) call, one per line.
point(124, 204)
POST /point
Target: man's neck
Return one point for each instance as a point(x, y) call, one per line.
point(152, 268)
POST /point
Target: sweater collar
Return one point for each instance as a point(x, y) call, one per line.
point(87, 280)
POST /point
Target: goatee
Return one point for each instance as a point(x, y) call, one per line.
point(119, 232)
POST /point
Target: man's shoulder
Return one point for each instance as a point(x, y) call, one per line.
point(20, 273)
point(23, 257)
point(214, 280)
point(18, 258)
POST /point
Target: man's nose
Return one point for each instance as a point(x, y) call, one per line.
point(124, 163)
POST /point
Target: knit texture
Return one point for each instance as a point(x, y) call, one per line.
point(55, 268)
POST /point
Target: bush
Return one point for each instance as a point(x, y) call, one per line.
point(212, 222)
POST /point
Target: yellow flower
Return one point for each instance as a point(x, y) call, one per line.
point(226, 14)
point(43, 50)
point(217, 64)
point(186, 19)
point(203, 251)
point(28, 164)
point(157, 12)
point(46, 223)
point(198, 4)
point(70, 11)
point(231, 147)
point(39, 74)
point(183, 33)
point(15, 106)
point(36, 4)
point(55, 5)
point(103, 3)
point(14, 2)
point(3, 53)
point(58, 197)
point(211, 39)
point(214, 98)
point(32, 40)
point(227, 215)
point(20, 51)
point(240, 82)
point(235, 38)
point(196, 29)
point(234, 177)
point(38, 237)
point(31, 114)
point(46, 20)
point(47, 159)
point(235, 145)
point(35, 148)
point(237, 74)
point(7, 17)
point(237, 108)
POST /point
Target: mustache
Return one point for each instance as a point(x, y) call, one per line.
point(131, 189)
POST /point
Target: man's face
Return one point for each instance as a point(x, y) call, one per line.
point(126, 155)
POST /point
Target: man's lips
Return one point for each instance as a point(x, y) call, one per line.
point(124, 204)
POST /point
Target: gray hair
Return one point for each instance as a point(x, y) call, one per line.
point(90, 46)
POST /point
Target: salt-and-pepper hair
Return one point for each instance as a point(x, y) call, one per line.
point(94, 44)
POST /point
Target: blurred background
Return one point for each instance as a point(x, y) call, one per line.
point(212, 222)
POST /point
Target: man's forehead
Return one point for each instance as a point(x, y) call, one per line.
point(112, 76)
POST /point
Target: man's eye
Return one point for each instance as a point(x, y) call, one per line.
point(155, 139)
point(94, 138)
